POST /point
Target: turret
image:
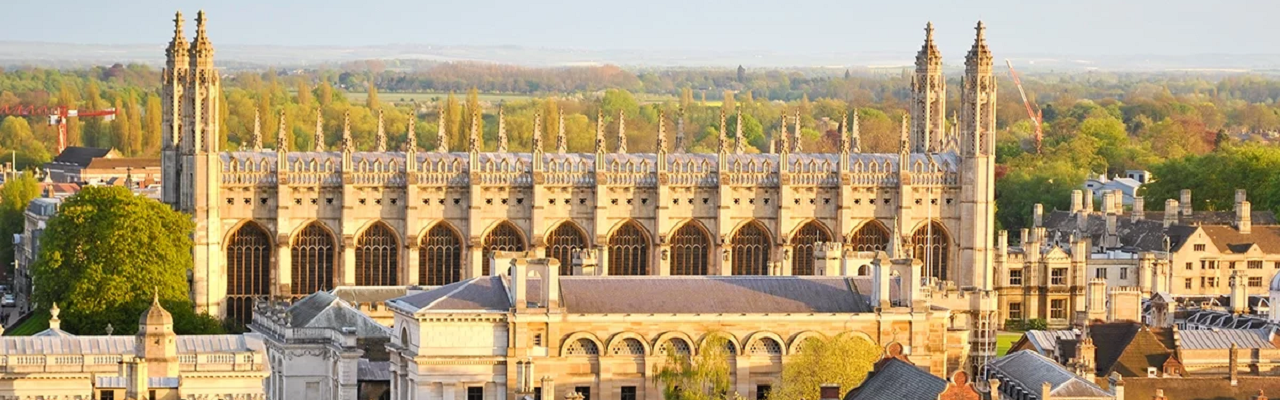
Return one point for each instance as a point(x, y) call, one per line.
point(929, 96)
point(380, 139)
point(795, 134)
point(856, 140)
point(784, 139)
point(724, 139)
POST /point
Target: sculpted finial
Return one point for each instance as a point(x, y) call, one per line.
point(562, 143)
point(382, 134)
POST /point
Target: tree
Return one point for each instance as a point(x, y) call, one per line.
point(14, 197)
point(371, 98)
point(153, 125)
point(106, 253)
point(843, 360)
point(701, 377)
point(728, 106)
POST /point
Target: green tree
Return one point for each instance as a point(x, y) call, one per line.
point(153, 125)
point(728, 106)
point(701, 377)
point(844, 360)
point(14, 197)
point(105, 255)
point(371, 98)
point(453, 123)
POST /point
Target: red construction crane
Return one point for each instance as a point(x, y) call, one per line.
point(1036, 116)
point(57, 116)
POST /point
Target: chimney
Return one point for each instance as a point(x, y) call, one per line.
point(1117, 385)
point(1118, 197)
point(1088, 200)
point(1239, 296)
point(1109, 203)
point(1038, 214)
point(1096, 300)
point(1002, 244)
point(551, 283)
point(519, 280)
point(829, 391)
point(1170, 212)
point(1185, 201)
point(1139, 208)
point(1077, 201)
point(880, 269)
point(1244, 218)
point(827, 257)
point(1024, 237)
point(1233, 364)
point(1044, 390)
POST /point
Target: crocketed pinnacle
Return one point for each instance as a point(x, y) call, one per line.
point(319, 136)
point(562, 143)
point(381, 140)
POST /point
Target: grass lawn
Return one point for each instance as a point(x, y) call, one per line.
point(37, 323)
point(1004, 340)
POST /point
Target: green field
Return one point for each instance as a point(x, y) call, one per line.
point(1004, 340)
point(37, 323)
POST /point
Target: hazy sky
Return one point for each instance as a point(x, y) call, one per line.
point(1081, 27)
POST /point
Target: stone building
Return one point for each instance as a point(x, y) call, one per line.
point(290, 223)
point(154, 364)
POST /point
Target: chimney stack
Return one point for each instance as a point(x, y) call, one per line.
point(1077, 201)
point(1109, 203)
point(1038, 214)
point(1239, 298)
point(1088, 200)
point(1170, 212)
point(1185, 201)
point(1244, 211)
point(1139, 208)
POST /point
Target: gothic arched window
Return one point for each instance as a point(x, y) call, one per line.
point(931, 245)
point(504, 237)
point(629, 250)
point(750, 246)
point(802, 246)
point(440, 256)
point(313, 254)
point(378, 257)
point(561, 244)
point(690, 250)
point(248, 270)
point(870, 237)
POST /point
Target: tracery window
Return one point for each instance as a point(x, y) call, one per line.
point(766, 347)
point(690, 250)
point(504, 237)
point(870, 237)
point(627, 347)
point(931, 245)
point(313, 253)
point(248, 271)
point(675, 346)
point(803, 245)
point(378, 257)
point(750, 247)
point(582, 347)
point(629, 251)
point(561, 244)
point(440, 256)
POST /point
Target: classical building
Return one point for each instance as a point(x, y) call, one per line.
point(290, 223)
point(154, 364)
point(528, 332)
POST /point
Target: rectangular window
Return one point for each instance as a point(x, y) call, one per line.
point(1124, 273)
point(1058, 309)
point(1199, 247)
point(762, 391)
point(1015, 310)
point(108, 394)
point(152, 393)
point(1100, 273)
point(1058, 276)
point(1189, 266)
point(1255, 264)
point(628, 393)
point(1232, 265)
point(1202, 282)
point(475, 393)
point(1203, 264)
point(585, 391)
point(1255, 281)
point(1188, 283)
point(1015, 277)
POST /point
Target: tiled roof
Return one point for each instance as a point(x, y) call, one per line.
point(1201, 388)
point(1028, 370)
point(485, 293)
point(32, 345)
point(1111, 340)
point(1224, 338)
point(898, 380)
point(710, 295)
point(324, 310)
point(123, 163)
point(81, 156)
point(1146, 348)
point(1229, 240)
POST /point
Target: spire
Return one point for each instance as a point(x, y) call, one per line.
point(411, 138)
point(979, 52)
point(738, 146)
point(622, 132)
point(929, 56)
point(844, 133)
point(784, 138)
point(680, 131)
point(474, 140)
point(537, 132)
point(176, 54)
point(502, 130)
point(562, 143)
point(662, 132)
point(319, 138)
point(442, 137)
point(282, 135)
point(381, 139)
point(724, 139)
point(257, 131)
point(795, 145)
point(201, 48)
point(600, 131)
point(856, 139)
point(348, 145)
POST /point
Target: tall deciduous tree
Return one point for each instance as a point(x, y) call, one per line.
point(106, 253)
point(701, 377)
point(843, 360)
point(14, 196)
point(371, 98)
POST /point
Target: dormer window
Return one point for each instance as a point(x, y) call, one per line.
point(1151, 372)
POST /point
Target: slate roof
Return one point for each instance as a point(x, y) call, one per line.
point(485, 293)
point(371, 294)
point(1028, 370)
point(1224, 338)
point(1148, 234)
point(373, 370)
point(1201, 388)
point(80, 156)
point(710, 295)
point(124, 163)
point(897, 379)
point(324, 310)
point(1046, 342)
point(29, 345)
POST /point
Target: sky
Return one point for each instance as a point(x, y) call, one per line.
point(1081, 27)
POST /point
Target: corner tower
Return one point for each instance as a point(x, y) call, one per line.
point(200, 177)
point(928, 97)
point(173, 81)
point(977, 137)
